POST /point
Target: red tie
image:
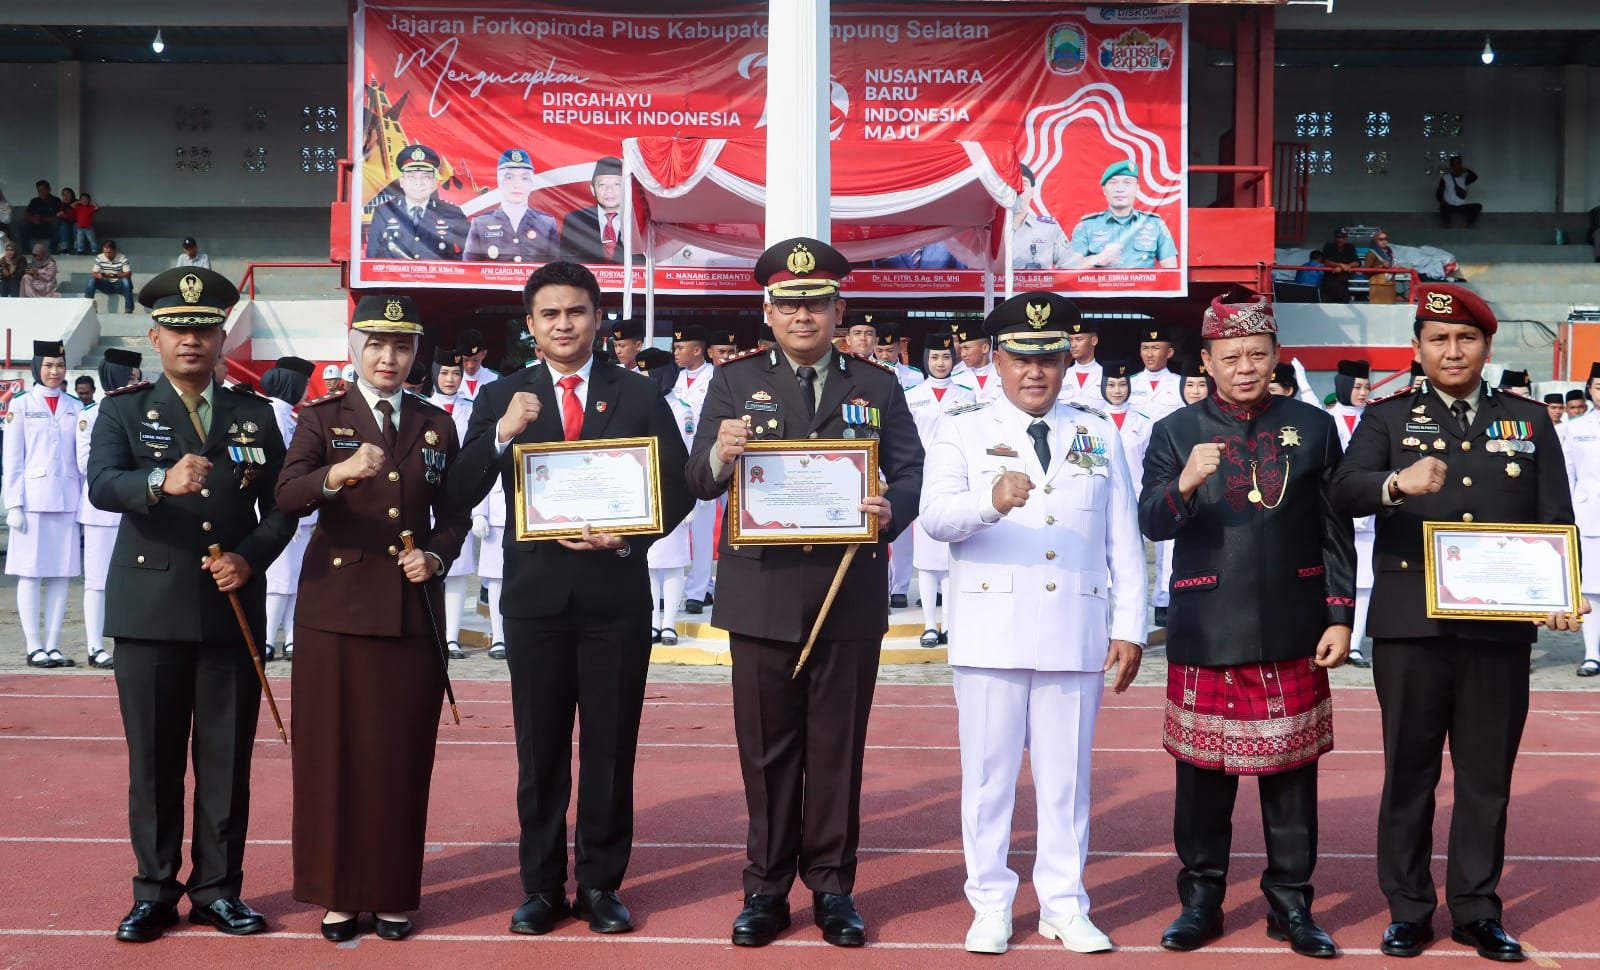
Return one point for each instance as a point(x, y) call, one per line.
point(1119, 417)
point(571, 407)
point(450, 407)
point(938, 393)
point(982, 379)
point(608, 238)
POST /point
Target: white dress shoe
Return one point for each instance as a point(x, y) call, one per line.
point(990, 932)
point(1076, 933)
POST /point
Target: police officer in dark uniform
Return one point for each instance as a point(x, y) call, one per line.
point(513, 232)
point(1450, 450)
point(801, 738)
point(189, 463)
point(418, 224)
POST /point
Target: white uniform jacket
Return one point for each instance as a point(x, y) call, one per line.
point(1582, 450)
point(984, 391)
point(41, 453)
point(1155, 394)
point(1082, 385)
point(1030, 590)
point(470, 386)
point(88, 514)
point(1135, 432)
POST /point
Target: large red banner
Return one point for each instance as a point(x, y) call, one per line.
point(490, 136)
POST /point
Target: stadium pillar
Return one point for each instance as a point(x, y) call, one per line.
point(799, 180)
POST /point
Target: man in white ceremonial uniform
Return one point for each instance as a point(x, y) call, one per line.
point(1082, 381)
point(119, 369)
point(1156, 392)
point(1047, 594)
point(284, 386)
point(474, 374)
point(42, 488)
point(627, 339)
point(1580, 444)
point(931, 402)
point(975, 371)
point(687, 398)
point(886, 350)
point(1351, 383)
point(450, 393)
point(1133, 427)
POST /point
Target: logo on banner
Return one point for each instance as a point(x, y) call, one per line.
point(1135, 51)
point(1152, 12)
point(1068, 50)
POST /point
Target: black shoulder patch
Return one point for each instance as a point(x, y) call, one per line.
point(324, 399)
point(1086, 409)
point(1403, 392)
point(966, 409)
point(129, 388)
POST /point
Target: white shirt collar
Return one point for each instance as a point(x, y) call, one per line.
point(556, 373)
point(372, 397)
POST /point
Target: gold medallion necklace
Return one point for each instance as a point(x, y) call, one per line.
point(1255, 496)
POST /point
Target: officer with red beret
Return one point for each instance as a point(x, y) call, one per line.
point(1452, 449)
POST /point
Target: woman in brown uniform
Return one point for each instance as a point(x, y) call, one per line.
point(368, 673)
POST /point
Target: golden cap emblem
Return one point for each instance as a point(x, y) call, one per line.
point(189, 288)
point(517, 157)
point(418, 155)
point(394, 311)
point(1038, 315)
point(801, 260)
point(867, 317)
point(1441, 303)
point(1152, 335)
point(677, 335)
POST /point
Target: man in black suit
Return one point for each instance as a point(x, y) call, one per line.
point(1451, 449)
point(593, 234)
point(801, 738)
point(577, 611)
point(188, 463)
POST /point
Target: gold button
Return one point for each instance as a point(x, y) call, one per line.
point(1050, 587)
point(1466, 446)
point(1466, 516)
point(394, 513)
point(806, 548)
point(337, 562)
point(205, 526)
point(984, 585)
point(1049, 488)
point(394, 476)
point(141, 560)
point(393, 551)
point(1050, 554)
point(1049, 520)
point(1467, 481)
point(205, 493)
point(1404, 564)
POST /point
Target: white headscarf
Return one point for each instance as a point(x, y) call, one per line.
point(357, 341)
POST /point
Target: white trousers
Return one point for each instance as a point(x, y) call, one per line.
point(701, 522)
point(1052, 715)
point(901, 566)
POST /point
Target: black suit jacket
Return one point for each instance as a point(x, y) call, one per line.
point(156, 589)
point(1400, 430)
point(775, 592)
point(580, 238)
point(1250, 583)
point(543, 577)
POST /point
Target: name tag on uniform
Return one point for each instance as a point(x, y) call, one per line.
point(155, 438)
point(1421, 428)
point(346, 444)
point(759, 406)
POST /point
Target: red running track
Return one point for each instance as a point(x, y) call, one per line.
point(67, 863)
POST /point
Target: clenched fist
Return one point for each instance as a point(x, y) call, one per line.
point(731, 436)
point(521, 412)
point(1424, 477)
point(187, 476)
point(1202, 464)
point(363, 464)
point(1010, 491)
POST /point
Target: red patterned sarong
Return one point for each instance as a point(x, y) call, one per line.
point(1249, 719)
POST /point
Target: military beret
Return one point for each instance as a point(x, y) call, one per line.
point(1115, 370)
point(1558, 399)
point(609, 165)
point(298, 365)
point(861, 320)
point(1154, 334)
point(49, 348)
point(888, 334)
point(1448, 303)
point(446, 357)
point(515, 158)
point(801, 268)
point(1031, 324)
point(1329, 400)
point(629, 329)
point(690, 332)
point(939, 341)
point(1355, 368)
point(1576, 395)
point(1226, 320)
point(189, 296)
point(1195, 367)
point(417, 158)
point(1082, 326)
point(132, 358)
point(1124, 167)
point(387, 314)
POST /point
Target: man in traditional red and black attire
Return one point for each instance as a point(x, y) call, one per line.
point(1263, 595)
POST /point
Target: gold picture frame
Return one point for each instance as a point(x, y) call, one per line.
point(744, 528)
point(584, 487)
point(1501, 571)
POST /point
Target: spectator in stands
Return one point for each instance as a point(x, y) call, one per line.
point(43, 210)
point(40, 277)
point(1341, 258)
point(1311, 273)
point(84, 243)
point(1452, 194)
point(64, 220)
point(83, 389)
point(1381, 286)
point(13, 266)
point(191, 255)
point(5, 216)
point(112, 274)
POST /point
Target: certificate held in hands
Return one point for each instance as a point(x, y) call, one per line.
point(803, 492)
point(1493, 571)
point(611, 486)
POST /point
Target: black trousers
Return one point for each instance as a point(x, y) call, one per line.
point(1202, 829)
point(1469, 211)
point(801, 741)
point(162, 688)
point(1474, 694)
point(594, 666)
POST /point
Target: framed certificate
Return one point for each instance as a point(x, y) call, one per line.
point(803, 492)
point(1495, 571)
point(609, 485)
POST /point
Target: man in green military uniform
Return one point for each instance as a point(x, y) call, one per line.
point(417, 224)
point(1121, 236)
point(188, 463)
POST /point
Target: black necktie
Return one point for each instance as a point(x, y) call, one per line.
point(1459, 409)
point(416, 214)
point(385, 424)
point(1040, 433)
point(807, 376)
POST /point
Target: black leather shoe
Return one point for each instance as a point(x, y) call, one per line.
point(1491, 939)
point(1359, 660)
point(538, 913)
point(388, 929)
point(897, 601)
point(230, 915)
point(1303, 934)
point(145, 921)
point(1403, 939)
point(603, 909)
point(343, 931)
point(835, 914)
point(761, 920)
point(694, 607)
point(1194, 928)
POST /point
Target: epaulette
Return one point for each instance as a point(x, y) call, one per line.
point(1086, 409)
point(246, 389)
point(744, 356)
point(422, 400)
point(874, 360)
point(324, 399)
point(129, 388)
point(966, 408)
point(1403, 392)
point(1047, 220)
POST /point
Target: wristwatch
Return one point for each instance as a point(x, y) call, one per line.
point(1392, 488)
point(158, 477)
point(624, 551)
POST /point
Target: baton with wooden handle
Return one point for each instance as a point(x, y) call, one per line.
point(827, 604)
point(215, 551)
point(408, 539)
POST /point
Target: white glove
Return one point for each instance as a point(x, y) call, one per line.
point(480, 526)
point(17, 521)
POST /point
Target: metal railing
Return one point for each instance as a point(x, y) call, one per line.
point(1261, 178)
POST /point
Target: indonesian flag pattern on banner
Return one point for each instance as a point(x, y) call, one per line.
point(491, 140)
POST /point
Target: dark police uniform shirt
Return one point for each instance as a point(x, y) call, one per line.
point(493, 238)
point(394, 234)
point(1508, 467)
